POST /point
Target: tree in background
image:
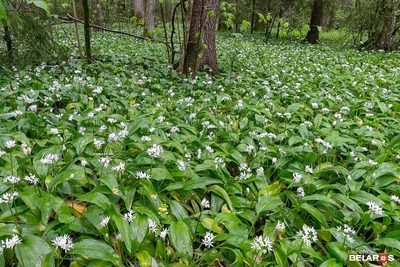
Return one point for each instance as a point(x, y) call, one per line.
point(138, 9)
point(97, 13)
point(149, 18)
point(86, 15)
point(317, 14)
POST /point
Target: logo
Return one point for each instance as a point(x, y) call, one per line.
point(365, 257)
point(383, 257)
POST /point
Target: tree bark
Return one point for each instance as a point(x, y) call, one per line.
point(77, 30)
point(253, 16)
point(209, 56)
point(97, 14)
point(86, 27)
point(138, 9)
point(388, 14)
point(7, 38)
point(316, 20)
point(149, 18)
point(191, 56)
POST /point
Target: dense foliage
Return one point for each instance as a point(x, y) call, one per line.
point(289, 157)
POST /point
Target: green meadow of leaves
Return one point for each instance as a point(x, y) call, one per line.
point(289, 158)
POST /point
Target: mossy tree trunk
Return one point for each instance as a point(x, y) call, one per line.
point(86, 20)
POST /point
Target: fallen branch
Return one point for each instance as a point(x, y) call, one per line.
point(69, 17)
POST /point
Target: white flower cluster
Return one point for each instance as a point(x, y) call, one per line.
point(308, 234)
point(8, 197)
point(12, 179)
point(49, 158)
point(263, 245)
point(395, 199)
point(155, 151)
point(208, 239)
point(143, 175)
point(297, 177)
point(152, 225)
point(245, 172)
point(375, 208)
point(347, 230)
point(129, 216)
point(64, 242)
point(10, 243)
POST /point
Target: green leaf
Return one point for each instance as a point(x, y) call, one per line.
point(125, 230)
point(178, 211)
point(96, 198)
point(200, 182)
point(387, 242)
point(34, 251)
point(138, 231)
point(315, 213)
point(267, 203)
point(331, 263)
point(3, 13)
point(180, 238)
point(94, 249)
point(222, 193)
point(43, 5)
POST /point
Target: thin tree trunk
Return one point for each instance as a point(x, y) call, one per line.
point(389, 14)
point(98, 20)
point(315, 21)
point(149, 18)
point(138, 9)
point(253, 14)
point(191, 55)
point(209, 56)
point(86, 27)
point(7, 38)
point(78, 40)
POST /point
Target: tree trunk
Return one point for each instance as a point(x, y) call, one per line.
point(97, 14)
point(316, 20)
point(78, 40)
point(86, 27)
point(209, 56)
point(253, 16)
point(389, 15)
point(7, 38)
point(138, 9)
point(190, 57)
point(149, 18)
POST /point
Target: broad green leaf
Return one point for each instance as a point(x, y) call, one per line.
point(181, 240)
point(267, 203)
point(222, 193)
point(315, 213)
point(95, 249)
point(125, 230)
point(138, 231)
point(34, 251)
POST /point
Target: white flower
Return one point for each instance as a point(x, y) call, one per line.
point(118, 236)
point(11, 242)
point(181, 165)
point(314, 105)
point(8, 197)
point(145, 138)
point(10, 143)
point(262, 245)
point(54, 131)
point(31, 179)
point(2, 153)
point(155, 151)
point(372, 163)
point(208, 240)
point(347, 230)
point(375, 208)
point(163, 234)
point(90, 115)
point(175, 129)
point(308, 234)
point(105, 161)
point(113, 137)
point(395, 199)
point(119, 168)
point(249, 148)
point(205, 203)
point(104, 221)
point(274, 160)
point(309, 169)
point(210, 149)
point(82, 130)
point(25, 148)
point(129, 216)
point(98, 143)
point(219, 162)
point(297, 177)
point(260, 171)
point(49, 158)
point(280, 226)
point(12, 179)
point(152, 225)
point(143, 175)
point(300, 192)
point(64, 242)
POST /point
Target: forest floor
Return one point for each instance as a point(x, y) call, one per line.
point(290, 156)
